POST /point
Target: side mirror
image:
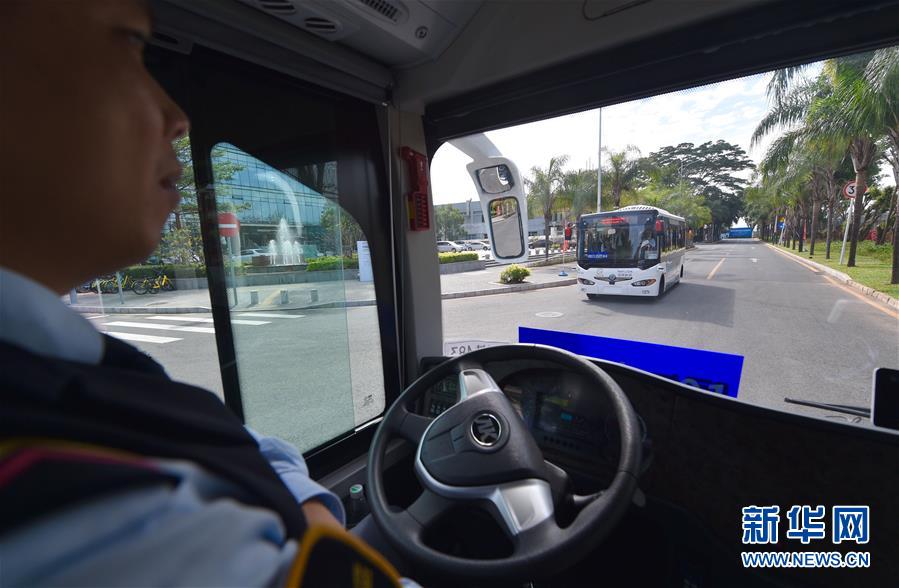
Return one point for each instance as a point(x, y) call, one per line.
point(493, 174)
point(496, 179)
point(507, 213)
point(505, 228)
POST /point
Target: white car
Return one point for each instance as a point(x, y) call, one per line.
point(448, 247)
point(247, 255)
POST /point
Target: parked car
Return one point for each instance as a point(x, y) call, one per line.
point(448, 247)
point(247, 255)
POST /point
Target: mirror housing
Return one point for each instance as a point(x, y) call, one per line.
point(496, 178)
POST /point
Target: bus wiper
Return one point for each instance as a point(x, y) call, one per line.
point(843, 408)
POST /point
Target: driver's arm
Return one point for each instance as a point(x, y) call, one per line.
point(320, 505)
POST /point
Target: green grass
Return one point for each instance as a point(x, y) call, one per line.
point(873, 264)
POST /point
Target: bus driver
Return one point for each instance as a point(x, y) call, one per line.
point(110, 472)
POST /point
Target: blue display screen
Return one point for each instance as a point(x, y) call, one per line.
point(712, 371)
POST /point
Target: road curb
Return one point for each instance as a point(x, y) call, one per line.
point(345, 304)
point(844, 279)
point(509, 289)
point(138, 309)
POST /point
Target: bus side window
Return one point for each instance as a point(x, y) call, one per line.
point(309, 362)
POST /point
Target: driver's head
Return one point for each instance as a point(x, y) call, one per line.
point(86, 159)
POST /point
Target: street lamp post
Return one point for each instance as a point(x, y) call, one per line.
point(599, 167)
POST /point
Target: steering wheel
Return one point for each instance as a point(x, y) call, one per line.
point(481, 451)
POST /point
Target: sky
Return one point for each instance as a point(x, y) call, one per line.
point(727, 110)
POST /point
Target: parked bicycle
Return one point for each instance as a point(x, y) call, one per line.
point(153, 285)
point(107, 284)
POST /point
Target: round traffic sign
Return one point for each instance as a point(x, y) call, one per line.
point(849, 190)
point(229, 226)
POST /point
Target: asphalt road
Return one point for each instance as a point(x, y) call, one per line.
point(801, 334)
point(310, 375)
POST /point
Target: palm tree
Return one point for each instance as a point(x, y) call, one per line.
point(797, 156)
point(876, 102)
point(545, 194)
point(579, 192)
point(623, 171)
point(841, 106)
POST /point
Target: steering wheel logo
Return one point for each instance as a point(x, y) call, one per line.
point(486, 429)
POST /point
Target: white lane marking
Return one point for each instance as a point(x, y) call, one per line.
point(754, 260)
point(90, 318)
point(195, 319)
point(142, 338)
point(714, 270)
point(159, 327)
point(271, 315)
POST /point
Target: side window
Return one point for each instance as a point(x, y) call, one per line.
point(161, 305)
point(301, 296)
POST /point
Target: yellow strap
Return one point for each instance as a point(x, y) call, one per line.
point(363, 568)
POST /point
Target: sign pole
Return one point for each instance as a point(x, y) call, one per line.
point(118, 279)
point(846, 232)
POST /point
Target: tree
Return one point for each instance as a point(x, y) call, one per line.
point(223, 169)
point(714, 172)
point(449, 222)
point(343, 241)
point(545, 192)
point(623, 171)
point(185, 241)
point(579, 191)
point(852, 103)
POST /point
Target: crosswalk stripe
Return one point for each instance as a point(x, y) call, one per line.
point(194, 319)
point(272, 315)
point(142, 338)
point(159, 327)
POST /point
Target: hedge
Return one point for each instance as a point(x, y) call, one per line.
point(191, 270)
point(173, 271)
point(457, 257)
point(332, 262)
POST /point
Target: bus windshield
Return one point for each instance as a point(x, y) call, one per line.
point(617, 239)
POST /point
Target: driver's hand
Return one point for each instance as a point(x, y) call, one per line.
point(318, 514)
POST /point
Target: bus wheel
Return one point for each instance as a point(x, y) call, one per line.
point(661, 287)
point(593, 296)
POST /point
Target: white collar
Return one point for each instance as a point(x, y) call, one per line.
point(35, 318)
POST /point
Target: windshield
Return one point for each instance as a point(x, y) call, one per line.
point(722, 254)
point(617, 239)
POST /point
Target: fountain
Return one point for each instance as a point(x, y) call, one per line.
point(285, 250)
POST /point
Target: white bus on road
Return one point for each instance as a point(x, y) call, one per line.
point(633, 251)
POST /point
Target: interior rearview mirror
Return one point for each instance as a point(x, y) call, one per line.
point(505, 227)
point(496, 179)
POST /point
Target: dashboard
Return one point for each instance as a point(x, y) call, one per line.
point(573, 425)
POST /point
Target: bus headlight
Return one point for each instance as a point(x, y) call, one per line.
point(587, 282)
point(641, 283)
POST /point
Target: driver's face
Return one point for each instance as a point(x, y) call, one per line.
point(86, 133)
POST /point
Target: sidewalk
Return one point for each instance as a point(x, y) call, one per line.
point(311, 295)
